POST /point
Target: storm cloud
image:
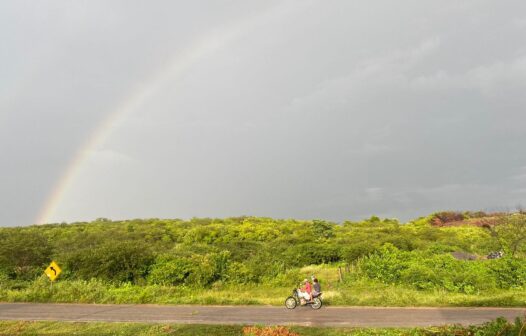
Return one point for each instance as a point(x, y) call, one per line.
point(306, 109)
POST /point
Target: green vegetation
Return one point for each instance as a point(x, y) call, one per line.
point(248, 260)
point(18, 328)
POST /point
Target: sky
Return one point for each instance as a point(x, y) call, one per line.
point(288, 109)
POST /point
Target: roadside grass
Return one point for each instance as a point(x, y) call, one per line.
point(16, 328)
point(25, 328)
point(356, 293)
point(51, 328)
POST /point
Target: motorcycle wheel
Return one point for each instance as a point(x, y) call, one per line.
point(317, 303)
point(290, 302)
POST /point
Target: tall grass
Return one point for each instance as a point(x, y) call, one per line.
point(357, 292)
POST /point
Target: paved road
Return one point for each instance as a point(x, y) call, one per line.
point(327, 316)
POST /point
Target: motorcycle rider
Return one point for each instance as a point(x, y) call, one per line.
point(305, 292)
point(316, 288)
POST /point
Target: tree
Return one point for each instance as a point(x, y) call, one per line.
point(24, 253)
point(322, 229)
point(509, 232)
point(117, 261)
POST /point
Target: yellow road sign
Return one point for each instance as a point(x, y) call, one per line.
point(52, 271)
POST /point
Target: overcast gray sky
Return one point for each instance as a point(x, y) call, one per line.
point(306, 109)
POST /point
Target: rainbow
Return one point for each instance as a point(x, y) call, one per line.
point(179, 64)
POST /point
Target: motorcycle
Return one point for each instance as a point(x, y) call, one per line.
point(294, 300)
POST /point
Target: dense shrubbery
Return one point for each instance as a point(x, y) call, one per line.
point(111, 261)
point(247, 250)
point(22, 253)
point(424, 270)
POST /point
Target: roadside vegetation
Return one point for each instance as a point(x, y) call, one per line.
point(18, 328)
point(439, 260)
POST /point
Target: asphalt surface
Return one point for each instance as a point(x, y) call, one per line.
point(265, 315)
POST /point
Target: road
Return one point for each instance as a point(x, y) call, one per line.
point(265, 315)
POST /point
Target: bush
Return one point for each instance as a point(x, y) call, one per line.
point(311, 254)
point(208, 268)
point(4, 278)
point(116, 261)
point(402, 242)
point(265, 267)
point(419, 276)
point(390, 265)
point(384, 265)
point(239, 273)
point(289, 278)
point(500, 327)
point(195, 270)
point(322, 229)
point(168, 270)
point(356, 251)
point(509, 272)
point(461, 276)
point(24, 254)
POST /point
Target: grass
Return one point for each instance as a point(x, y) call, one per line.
point(15, 328)
point(19, 328)
point(357, 293)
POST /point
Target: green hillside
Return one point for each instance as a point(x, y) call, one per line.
point(250, 260)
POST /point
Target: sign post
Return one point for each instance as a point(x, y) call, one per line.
point(52, 272)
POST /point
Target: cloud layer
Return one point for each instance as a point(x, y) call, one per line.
point(284, 109)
